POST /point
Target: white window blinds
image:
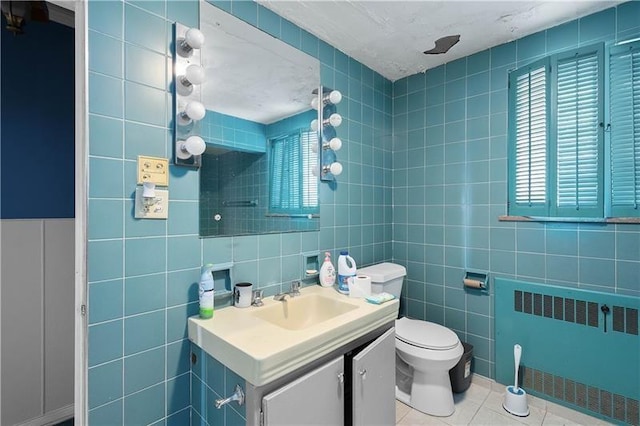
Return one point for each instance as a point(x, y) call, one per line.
point(578, 139)
point(529, 129)
point(556, 136)
point(624, 102)
point(531, 137)
point(293, 189)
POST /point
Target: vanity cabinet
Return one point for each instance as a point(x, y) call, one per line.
point(373, 382)
point(354, 388)
point(315, 398)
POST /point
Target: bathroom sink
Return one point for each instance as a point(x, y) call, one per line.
point(297, 313)
point(262, 344)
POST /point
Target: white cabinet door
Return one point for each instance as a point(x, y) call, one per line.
point(317, 398)
point(373, 382)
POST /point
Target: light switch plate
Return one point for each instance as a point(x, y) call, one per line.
point(155, 208)
point(153, 169)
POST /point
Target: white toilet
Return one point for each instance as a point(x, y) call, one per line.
point(425, 351)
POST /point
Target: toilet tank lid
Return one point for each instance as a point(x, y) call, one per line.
point(383, 272)
point(426, 334)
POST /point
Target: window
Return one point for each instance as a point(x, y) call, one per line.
point(624, 83)
point(293, 189)
point(574, 150)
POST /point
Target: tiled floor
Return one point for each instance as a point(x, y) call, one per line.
point(481, 404)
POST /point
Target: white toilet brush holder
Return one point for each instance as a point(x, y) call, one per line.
point(515, 398)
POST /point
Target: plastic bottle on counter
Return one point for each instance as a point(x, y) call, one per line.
point(206, 291)
point(327, 272)
point(346, 269)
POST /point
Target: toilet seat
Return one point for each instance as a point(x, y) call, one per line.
point(426, 335)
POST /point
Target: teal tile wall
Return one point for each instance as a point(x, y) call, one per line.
point(233, 132)
point(449, 187)
point(142, 275)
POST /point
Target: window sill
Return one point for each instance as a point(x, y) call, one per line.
point(506, 218)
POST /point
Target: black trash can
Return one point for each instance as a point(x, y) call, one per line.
point(460, 375)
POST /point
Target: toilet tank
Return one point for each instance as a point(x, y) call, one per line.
point(386, 277)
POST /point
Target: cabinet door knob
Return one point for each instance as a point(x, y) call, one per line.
point(363, 373)
point(341, 377)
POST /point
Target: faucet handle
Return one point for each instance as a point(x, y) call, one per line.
point(295, 288)
point(256, 298)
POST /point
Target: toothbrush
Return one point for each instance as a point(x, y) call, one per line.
point(517, 353)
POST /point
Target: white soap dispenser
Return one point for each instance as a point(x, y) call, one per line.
point(206, 291)
point(327, 272)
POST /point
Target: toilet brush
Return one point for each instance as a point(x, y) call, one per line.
point(515, 398)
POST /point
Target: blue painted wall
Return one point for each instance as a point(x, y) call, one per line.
point(37, 122)
point(449, 187)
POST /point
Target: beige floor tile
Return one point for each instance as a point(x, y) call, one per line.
point(553, 420)
point(488, 417)
point(401, 410)
point(573, 416)
point(540, 403)
point(494, 402)
point(415, 418)
point(475, 393)
point(479, 380)
point(481, 404)
point(464, 413)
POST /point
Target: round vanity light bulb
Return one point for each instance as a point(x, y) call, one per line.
point(195, 145)
point(194, 38)
point(334, 97)
point(314, 147)
point(195, 74)
point(335, 168)
point(315, 170)
point(335, 144)
point(195, 110)
point(335, 119)
point(314, 125)
point(314, 103)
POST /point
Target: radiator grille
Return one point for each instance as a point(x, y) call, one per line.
point(593, 314)
point(632, 321)
point(618, 319)
point(588, 397)
point(591, 397)
point(624, 319)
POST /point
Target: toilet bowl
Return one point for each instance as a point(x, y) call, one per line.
point(425, 351)
point(431, 350)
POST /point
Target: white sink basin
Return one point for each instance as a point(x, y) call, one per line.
point(262, 344)
point(296, 313)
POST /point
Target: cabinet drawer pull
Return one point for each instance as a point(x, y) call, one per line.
point(363, 373)
point(341, 377)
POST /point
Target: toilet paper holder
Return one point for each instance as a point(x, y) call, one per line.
point(477, 280)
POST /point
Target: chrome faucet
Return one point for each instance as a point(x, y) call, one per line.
point(295, 289)
point(280, 297)
point(293, 292)
point(256, 298)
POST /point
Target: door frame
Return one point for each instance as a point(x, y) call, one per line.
point(81, 191)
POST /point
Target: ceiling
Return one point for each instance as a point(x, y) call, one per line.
point(390, 36)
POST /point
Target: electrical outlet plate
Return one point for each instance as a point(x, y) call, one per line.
point(154, 208)
point(153, 169)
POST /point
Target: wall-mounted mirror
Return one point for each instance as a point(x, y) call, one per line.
point(256, 174)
